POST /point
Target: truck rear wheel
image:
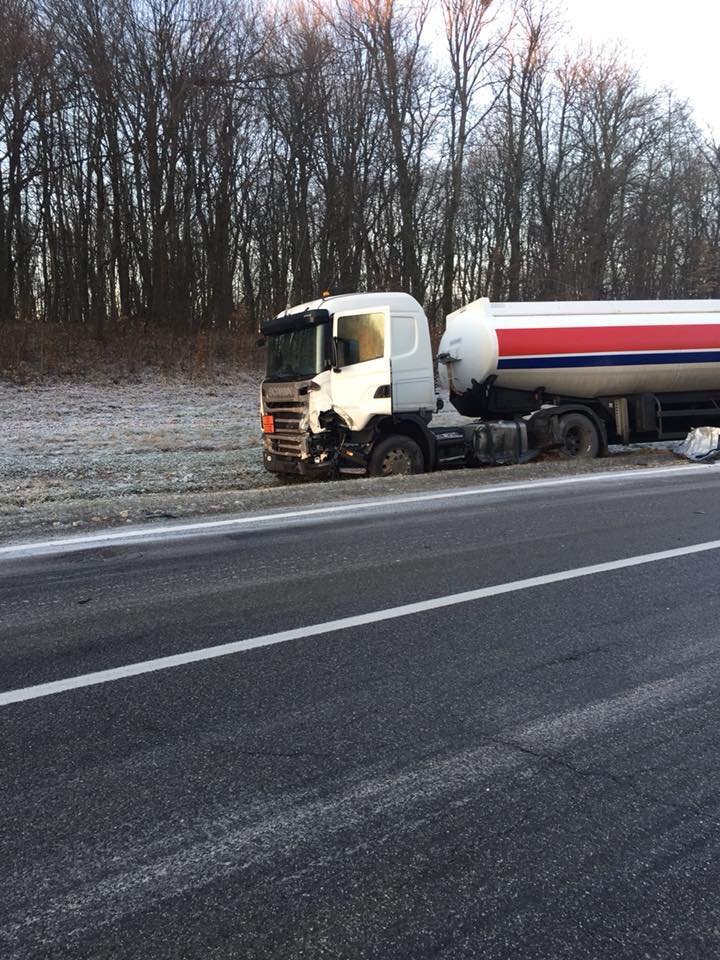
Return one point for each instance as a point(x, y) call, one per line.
point(579, 437)
point(394, 455)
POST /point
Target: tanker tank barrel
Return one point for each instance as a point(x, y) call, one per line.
point(583, 350)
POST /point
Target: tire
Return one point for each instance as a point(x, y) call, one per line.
point(395, 455)
point(579, 437)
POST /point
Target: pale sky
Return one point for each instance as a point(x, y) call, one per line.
point(674, 43)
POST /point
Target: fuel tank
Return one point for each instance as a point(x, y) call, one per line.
point(583, 349)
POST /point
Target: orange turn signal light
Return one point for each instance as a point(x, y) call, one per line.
point(268, 423)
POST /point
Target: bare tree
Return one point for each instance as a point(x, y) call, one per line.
point(392, 35)
point(473, 41)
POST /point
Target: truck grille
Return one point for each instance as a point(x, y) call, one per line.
point(287, 414)
point(289, 439)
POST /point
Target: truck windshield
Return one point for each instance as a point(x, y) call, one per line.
point(296, 354)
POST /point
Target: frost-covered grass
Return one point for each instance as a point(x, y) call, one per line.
point(67, 440)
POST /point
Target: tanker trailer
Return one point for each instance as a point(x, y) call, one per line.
point(583, 374)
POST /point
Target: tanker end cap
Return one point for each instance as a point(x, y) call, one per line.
point(482, 304)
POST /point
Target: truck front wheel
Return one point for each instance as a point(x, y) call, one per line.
point(579, 437)
point(395, 454)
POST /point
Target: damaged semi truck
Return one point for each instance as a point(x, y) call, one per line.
point(350, 381)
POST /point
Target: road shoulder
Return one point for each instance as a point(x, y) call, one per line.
point(41, 519)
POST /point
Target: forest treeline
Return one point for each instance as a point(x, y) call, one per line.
point(198, 164)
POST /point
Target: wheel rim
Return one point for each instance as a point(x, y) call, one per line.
point(574, 441)
point(397, 461)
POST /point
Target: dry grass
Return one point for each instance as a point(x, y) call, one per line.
point(32, 351)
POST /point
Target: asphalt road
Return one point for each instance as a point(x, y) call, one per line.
point(528, 774)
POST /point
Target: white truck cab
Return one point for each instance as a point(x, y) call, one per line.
point(343, 374)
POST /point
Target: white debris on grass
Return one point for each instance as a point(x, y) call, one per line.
point(702, 443)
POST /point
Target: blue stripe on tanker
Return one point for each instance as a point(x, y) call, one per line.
point(609, 360)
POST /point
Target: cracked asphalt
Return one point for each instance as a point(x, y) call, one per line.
point(530, 775)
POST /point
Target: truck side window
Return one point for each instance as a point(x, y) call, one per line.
point(404, 335)
point(361, 337)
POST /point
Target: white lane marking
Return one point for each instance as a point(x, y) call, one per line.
point(134, 534)
point(345, 623)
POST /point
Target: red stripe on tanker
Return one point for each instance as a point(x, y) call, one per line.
point(544, 341)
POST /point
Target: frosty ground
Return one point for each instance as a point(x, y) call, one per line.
point(89, 454)
point(64, 441)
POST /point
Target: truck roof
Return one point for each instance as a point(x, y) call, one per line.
point(349, 301)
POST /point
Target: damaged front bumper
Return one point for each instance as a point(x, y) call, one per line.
point(308, 466)
point(303, 439)
point(289, 447)
point(321, 457)
point(301, 453)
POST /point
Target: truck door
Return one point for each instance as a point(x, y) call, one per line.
point(361, 385)
point(413, 379)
